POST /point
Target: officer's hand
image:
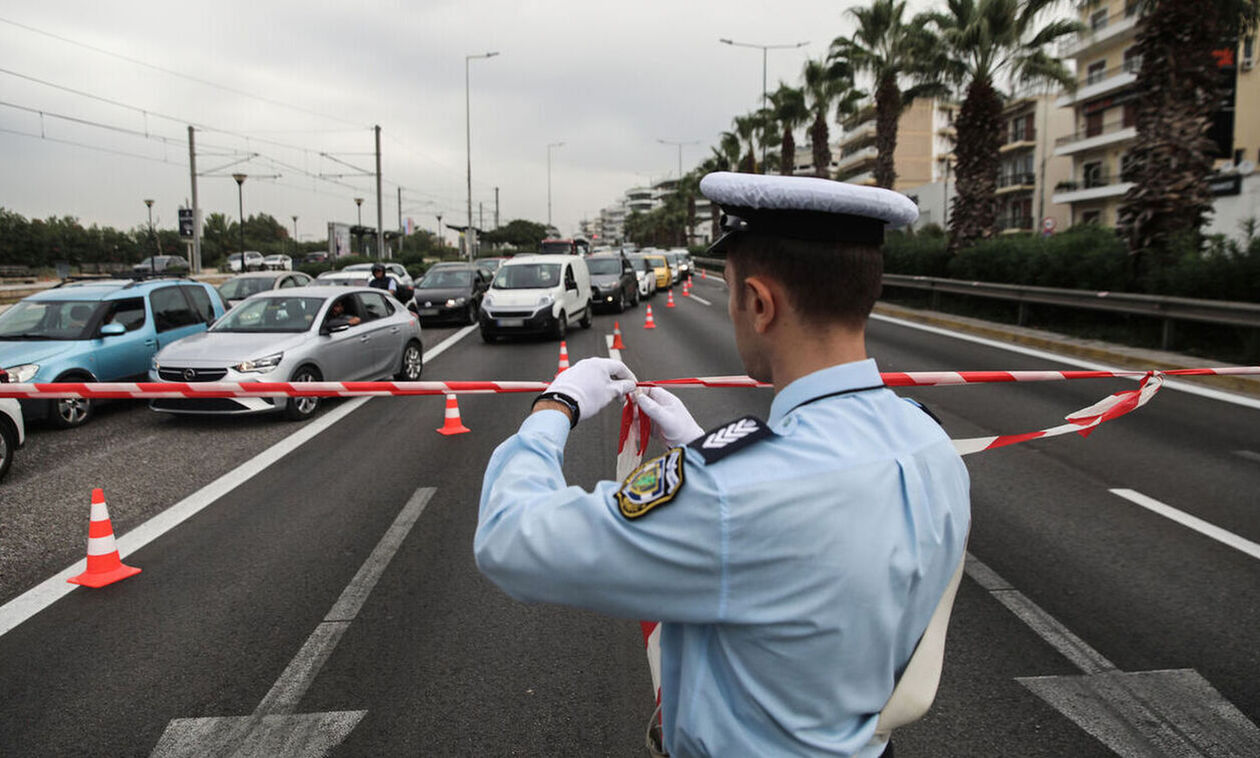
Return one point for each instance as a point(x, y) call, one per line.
point(594, 383)
point(673, 422)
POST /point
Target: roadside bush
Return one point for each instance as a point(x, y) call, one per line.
point(917, 255)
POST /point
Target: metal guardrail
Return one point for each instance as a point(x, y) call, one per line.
point(1168, 309)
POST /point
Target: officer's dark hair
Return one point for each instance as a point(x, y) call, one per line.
point(826, 282)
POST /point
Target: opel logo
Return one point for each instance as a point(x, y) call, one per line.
point(428, 303)
point(190, 374)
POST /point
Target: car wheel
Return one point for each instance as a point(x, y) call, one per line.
point(634, 299)
point(585, 321)
point(8, 444)
point(412, 362)
point(562, 326)
point(302, 408)
point(470, 314)
point(71, 412)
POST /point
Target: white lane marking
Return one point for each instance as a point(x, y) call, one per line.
point(699, 299)
point(274, 720)
point(612, 352)
point(1137, 715)
point(1171, 384)
point(55, 587)
point(1222, 536)
point(1250, 455)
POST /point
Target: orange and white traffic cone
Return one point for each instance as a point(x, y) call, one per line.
point(687, 288)
point(670, 302)
point(564, 358)
point(453, 424)
point(617, 343)
point(650, 323)
point(104, 566)
point(704, 273)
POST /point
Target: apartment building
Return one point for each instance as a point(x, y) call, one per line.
point(1028, 169)
point(1104, 110)
point(925, 145)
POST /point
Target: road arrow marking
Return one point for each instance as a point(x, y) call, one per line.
point(274, 730)
point(1147, 714)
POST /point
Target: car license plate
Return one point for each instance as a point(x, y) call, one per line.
point(508, 322)
point(428, 311)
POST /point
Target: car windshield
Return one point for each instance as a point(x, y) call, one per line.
point(271, 314)
point(239, 289)
point(525, 276)
point(556, 246)
point(446, 280)
point(47, 320)
point(643, 264)
point(658, 262)
point(604, 265)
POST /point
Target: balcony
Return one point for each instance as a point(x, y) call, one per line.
point(1113, 29)
point(863, 132)
point(857, 158)
point(1023, 141)
point(1016, 182)
point(1092, 186)
point(1092, 139)
point(866, 179)
point(1014, 224)
point(1100, 83)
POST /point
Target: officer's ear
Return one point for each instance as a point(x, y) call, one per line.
point(763, 299)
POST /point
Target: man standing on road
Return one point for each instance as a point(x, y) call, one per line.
point(794, 564)
point(380, 281)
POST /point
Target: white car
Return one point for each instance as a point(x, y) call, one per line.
point(278, 263)
point(395, 270)
point(12, 430)
point(537, 294)
point(253, 261)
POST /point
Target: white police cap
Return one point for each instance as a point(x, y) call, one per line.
point(802, 207)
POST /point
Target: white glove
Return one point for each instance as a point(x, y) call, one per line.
point(594, 383)
point(672, 421)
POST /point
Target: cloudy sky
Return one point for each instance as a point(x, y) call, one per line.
point(293, 80)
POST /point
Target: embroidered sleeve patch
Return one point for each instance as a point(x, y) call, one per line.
point(728, 438)
point(653, 484)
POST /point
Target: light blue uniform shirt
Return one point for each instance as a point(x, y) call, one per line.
point(794, 577)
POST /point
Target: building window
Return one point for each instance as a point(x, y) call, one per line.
point(1249, 49)
point(1093, 175)
point(1132, 60)
point(1091, 217)
point(1098, 19)
point(1131, 7)
point(1126, 164)
point(1129, 117)
point(1094, 124)
point(1096, 72)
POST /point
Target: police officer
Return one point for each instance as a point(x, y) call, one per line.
point(794, 563)
point(380, 281)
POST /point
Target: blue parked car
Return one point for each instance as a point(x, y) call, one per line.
point(102, 331)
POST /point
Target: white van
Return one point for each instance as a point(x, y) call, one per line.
point(534, 294)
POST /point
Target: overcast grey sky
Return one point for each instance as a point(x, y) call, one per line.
point(606, 78)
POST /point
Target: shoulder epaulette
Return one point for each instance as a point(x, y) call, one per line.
point(730, 437)
point(923, 408)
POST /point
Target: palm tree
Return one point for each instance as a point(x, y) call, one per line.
point(726, 154)
point(891, 51)
point(790, 112)
point(746, 129)
point(983, 40)
point(827, 85)
point(1178, 86)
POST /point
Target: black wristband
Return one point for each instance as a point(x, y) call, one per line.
point(574, 412)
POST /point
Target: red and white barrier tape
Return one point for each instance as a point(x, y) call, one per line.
point(149, 390)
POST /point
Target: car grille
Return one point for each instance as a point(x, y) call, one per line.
point(197, 404)
point(169, 374)
point(510, 314)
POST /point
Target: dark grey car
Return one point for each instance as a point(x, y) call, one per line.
point(614, 285)
point(452, 292)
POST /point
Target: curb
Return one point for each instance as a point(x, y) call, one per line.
point(1092, 350)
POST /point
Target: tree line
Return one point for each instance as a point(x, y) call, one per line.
point(979, 51)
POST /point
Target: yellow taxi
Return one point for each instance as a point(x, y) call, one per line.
point(664, 280)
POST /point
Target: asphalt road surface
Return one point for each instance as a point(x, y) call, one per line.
point(328, 600)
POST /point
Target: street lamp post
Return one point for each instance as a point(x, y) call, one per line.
point(295, 239)
point(358, 203)
point(468, 146)
point(764, 95)
point(441, 236)
point(680, 147)
point(553, 144)
point(153, 258)
point(240, 206)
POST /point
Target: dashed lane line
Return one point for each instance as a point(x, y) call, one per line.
point(55, 587)
point(1223, 536)
point(275, 728)
point(699, 299)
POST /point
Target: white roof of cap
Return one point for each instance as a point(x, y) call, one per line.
point(807, 193)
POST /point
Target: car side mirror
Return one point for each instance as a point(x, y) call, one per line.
point(339, 324)
point(113, 330)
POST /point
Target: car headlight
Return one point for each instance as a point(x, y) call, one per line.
point(24, 373)
point(259, 365)
point(546, 300)
point(487, 301)
point(455, 301)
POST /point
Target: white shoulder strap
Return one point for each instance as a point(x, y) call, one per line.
point(916, 689)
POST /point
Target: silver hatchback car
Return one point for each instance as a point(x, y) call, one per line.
point(301, 334)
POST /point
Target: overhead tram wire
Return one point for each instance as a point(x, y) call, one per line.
point(172, 72)
point(85, 145)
